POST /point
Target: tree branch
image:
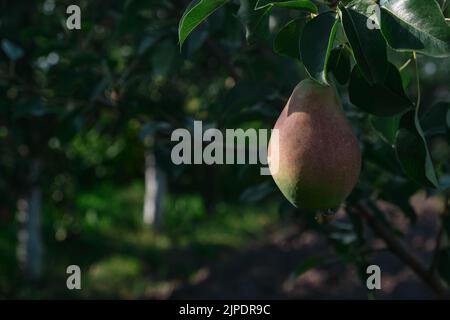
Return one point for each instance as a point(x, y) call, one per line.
point(437, 250)
point(440, 235)
point(403, 252)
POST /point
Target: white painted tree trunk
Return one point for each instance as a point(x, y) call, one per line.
point(155, 188)
point(29, 247)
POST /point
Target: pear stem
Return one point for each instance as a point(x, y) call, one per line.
point(405, 64)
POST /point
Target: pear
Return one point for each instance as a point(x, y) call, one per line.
point(314, 156)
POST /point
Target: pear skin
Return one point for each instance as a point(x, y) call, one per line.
point(315, 159)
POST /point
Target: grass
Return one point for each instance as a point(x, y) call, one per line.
point(121, 258)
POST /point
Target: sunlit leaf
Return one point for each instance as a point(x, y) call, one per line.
point(287, 40)
point(369, 47)
point(196, 13)
point(316, 44)
point(305, 5)
point(415, 25)
point(339, 64)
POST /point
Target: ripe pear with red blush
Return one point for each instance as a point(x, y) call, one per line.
point(313, 154)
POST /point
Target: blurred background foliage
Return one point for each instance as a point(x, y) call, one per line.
point(88, 104)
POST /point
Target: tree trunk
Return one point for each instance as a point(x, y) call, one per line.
point(155, 188)
point(29, 249)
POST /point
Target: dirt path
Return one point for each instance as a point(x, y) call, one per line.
point(264, 269)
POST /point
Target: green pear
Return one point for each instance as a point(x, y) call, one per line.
point(313, 154)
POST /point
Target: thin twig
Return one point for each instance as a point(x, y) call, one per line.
point(403, 252)
point(405, 64)
point(439, 237)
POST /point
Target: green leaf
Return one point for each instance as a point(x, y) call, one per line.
point(287, 40)
point(308, 264)
point(384, 99)
point(368, 45)
point(256, 22)
point(339, 64)
point(196, 13)
point(316, 44)
point(407, 78)
point(383, 156)
point(305, 5)
point(415, 25)
point(412, 151)
point(386, 127)
point(437, 119)
point(11, 50)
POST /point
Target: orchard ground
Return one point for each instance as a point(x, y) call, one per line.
point(239, 252)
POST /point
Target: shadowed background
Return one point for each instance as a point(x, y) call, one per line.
point(86, 176)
